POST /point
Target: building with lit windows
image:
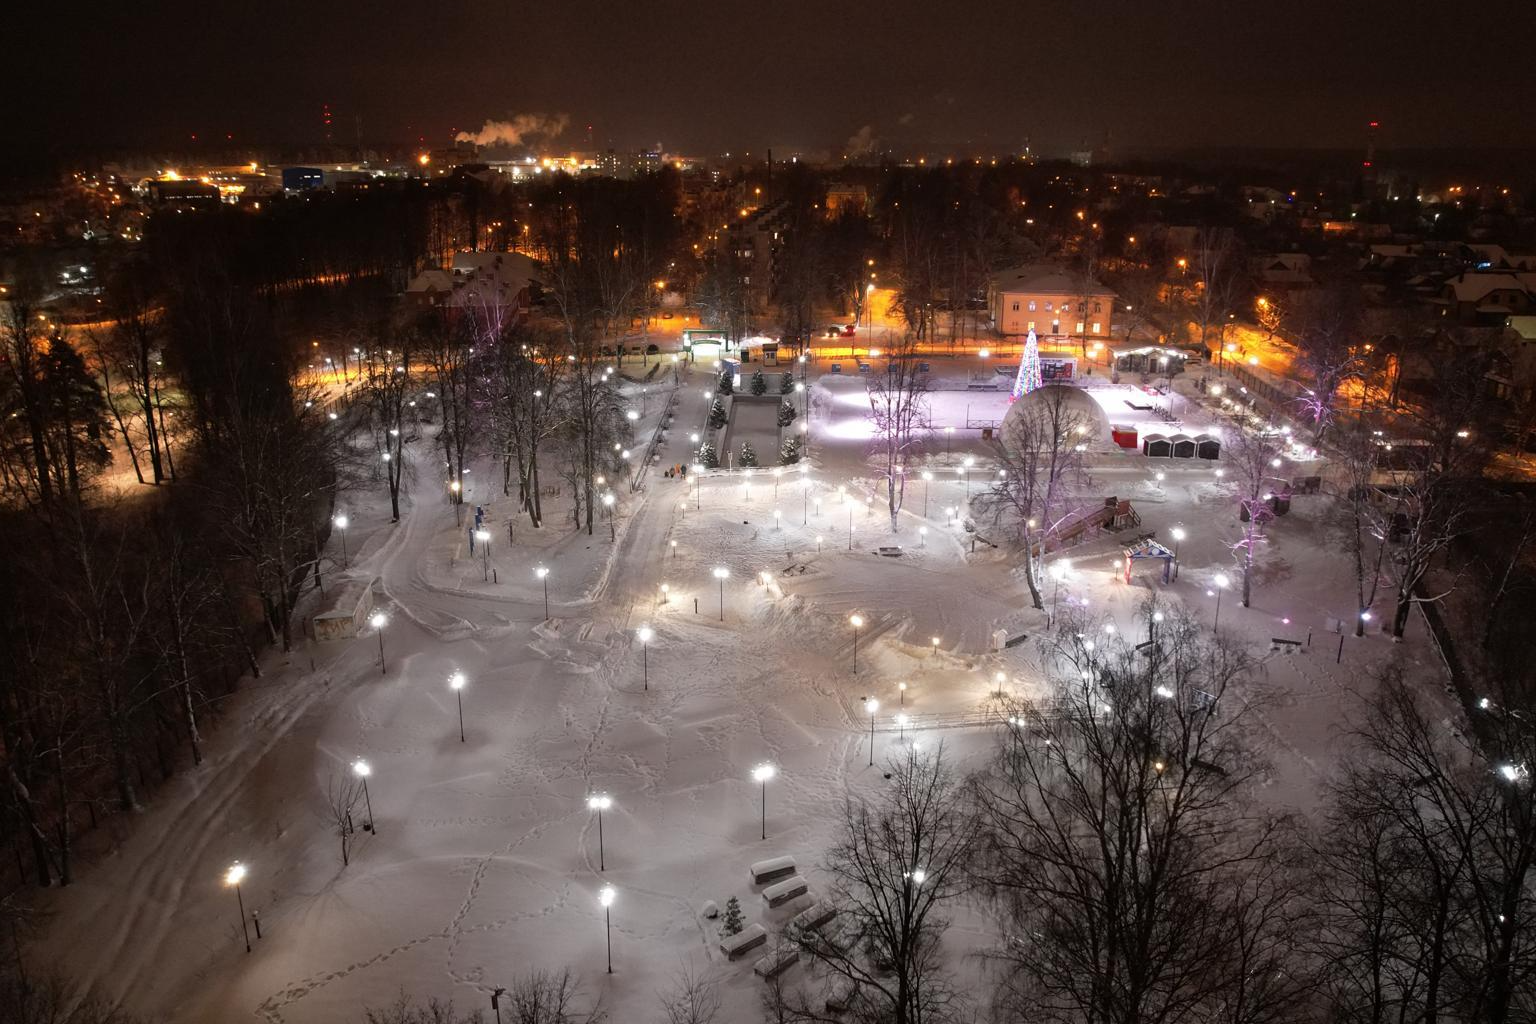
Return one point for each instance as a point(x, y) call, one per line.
point(1052, 302)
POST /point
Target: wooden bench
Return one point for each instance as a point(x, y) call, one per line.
point(750, 937)
point(1284, 645)
point(780, 893)
point(772, 869)
point(813, 917)
point(777, 962)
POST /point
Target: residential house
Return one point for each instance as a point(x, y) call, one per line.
point(1052, 302)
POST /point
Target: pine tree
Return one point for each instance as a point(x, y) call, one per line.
point(707, 457)
point(717, 414)
point(787, 413)
point(759, 385)
point(727, 383)
point(789, 451)
point(787, 382)
point(732, 921)
point(748, 456)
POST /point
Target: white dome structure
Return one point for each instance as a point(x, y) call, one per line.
point(1040, 411)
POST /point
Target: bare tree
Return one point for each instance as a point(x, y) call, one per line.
point(1331, 351)
point(693, 998)
point(894, 867)
point(898, 402)
point(1215, 269)
point(341, 796)
point(1254, 448)
point(387, 387)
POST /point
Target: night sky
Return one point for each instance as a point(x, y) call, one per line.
point(793, 74)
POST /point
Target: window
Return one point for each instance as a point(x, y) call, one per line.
point(1031, 305)
point(1079, 327)
point(1031, 325)
point(1096, 308)
point(1015, 307)
point(1047, 307)
point(1098, 328)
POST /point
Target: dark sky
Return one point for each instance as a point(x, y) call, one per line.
point(793, 74)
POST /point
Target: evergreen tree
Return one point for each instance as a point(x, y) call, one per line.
point(787, 382)
point(732, 921)
point(707, 457)
point(789, 451)
point(759, 385)
point(717, 414)
point(727, 383)
point(748, 456)
point(787, 413)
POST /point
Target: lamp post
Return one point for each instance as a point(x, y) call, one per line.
point(600, 802)
point(483, 538)
point(1152, 626)
point(1221, 582)
point(778, 472)
point(927, 479)
point(871, 705)
point(969, 462)
point(543, 574)
point(341, 524)
point(805, 495)
point(378, 621)
point(644, 635)
point(605, 897)
point(999, 678)
point(901, 688)
point(233, 877)
point(698, 486)
point(456, 683)
point(901, 724)
point(762, 773)
point(1058, 573)
point(608, 500)
point(362, 770)
point(949, 436)
point(855, 621)
point(721, 573)
point(1178, 535)
point(456, 499)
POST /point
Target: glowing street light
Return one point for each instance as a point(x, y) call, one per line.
point(855, 621)
point(644, 634)
point(362, 769)
point(901, 724)
point(608, 500)
point(1222, 582)
point(378, 621)
point(600, 802)
point(543, 574)
point(605, 897)
point(233, 877)
point(927, 479)
point(762, 773)
point(1059, 572)
point(456, 684)
point(721, 573)
point(998, 678)
point(483, 537)
point(341, 524)
point(871, 705)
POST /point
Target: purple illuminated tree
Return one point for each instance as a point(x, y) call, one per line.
point(1029, 369)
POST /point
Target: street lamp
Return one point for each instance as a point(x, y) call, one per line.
point(1221, 582)
point(484, 539)
point(543, 574)
point(456, 499)
point(1059, 572)
point(901, 688)
point(341, 524)
point(966, 472)
point(362, 770)
point(856, 621)
point(608, 500)
point(762, 773)
point(1178, 535)
point(871, 705)
point(233, 877)
point(999, 678)
point(901, 724)
point(644, 635)
point(605, 897)
point(600, 802)
point(378, 621)
point(456, 683)
point(721, 574)
point(927, 479)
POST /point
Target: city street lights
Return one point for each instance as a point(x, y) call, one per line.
point(600, 802)
point(901, 724)
point(608, 500)
point(778, 472)
point(927, 479)
point(543, 574)
point(901, 688)
point(698, 486)
point(605, 897)
point(949, 436)
point(856, 621)
point(362, 770)
point(483, 538)
point(644, 635)
point(456, 683)
point(1221, 582)
point(871, 705)
point(966, 467)
point(762, 773)
point(378, 621)
point(1059, 572)
point(233, 877)
point(341, 524)
point(721, 573)
point(455, 499)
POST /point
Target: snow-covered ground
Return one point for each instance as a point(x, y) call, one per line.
point(485, 863)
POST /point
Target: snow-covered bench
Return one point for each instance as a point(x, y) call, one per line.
point(780, 893)
point(772, 869)
point(777, 962)
point(750, 937)
point(813, 917)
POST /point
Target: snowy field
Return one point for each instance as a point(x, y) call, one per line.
point(485, 861)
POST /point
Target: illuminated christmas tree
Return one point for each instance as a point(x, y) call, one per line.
point(1029, 369)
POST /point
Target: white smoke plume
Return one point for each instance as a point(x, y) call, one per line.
point(862, 142)
point(519, 129)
